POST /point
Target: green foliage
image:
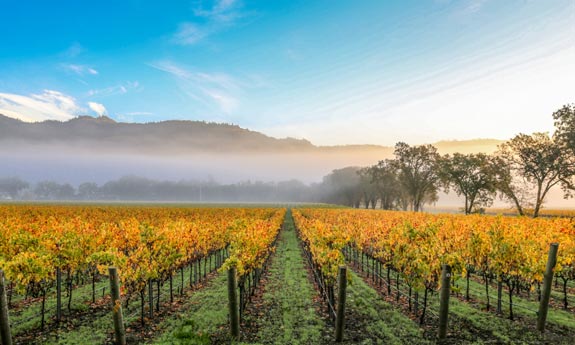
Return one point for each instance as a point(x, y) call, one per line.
point(471, 175)
point(538, 160)
point(418, 173)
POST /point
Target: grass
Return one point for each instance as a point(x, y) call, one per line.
point(97, 329)
point(29, 317)
point(522, 306)
point(470, 323)
point(378, 321)
point(287, 314)
point(203, 318)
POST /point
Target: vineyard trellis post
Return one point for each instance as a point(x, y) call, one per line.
point(58, 294)
point(233, 303)
point(546, 293)
point(119, 331)
point(340, 317)
point(5, 335)
point(444, 300)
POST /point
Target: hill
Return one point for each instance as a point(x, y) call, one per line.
point(103, 134)
point(100, 149)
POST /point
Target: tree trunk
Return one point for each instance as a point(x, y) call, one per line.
point(511, 285)
point(538, 201)
point(422, 318)
point(142, 302)
point(70, 283)
point(94, 287)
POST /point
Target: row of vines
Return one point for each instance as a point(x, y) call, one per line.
point(148, 245)
point(510, 250)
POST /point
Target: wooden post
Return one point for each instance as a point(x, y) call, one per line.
point(340, 318)
point(150, 299)
point(233, 304)
point(547, 280)
point(117, 307)
point(444, 300)
point(5, 334)
point(58, 294)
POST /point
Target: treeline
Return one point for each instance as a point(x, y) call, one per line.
point(522, 172)
point(135, 188)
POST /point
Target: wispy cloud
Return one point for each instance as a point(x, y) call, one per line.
point(209, 20)
point(74, 50)
point(188, 34)
point(119, 89)
point(470, 7)
point(215, 89)
point(49, 105)
point(220, 11)
point(80, 70)
point(98, 108)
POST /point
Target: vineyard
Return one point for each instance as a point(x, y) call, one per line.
point(173, 262)
point(508, 252)
point(45, 247)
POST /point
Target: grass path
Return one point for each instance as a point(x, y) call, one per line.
point(203, 320)
point(285, 312)
point(288, 314)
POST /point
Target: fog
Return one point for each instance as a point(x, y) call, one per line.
point(237, 163)
point(231, 177)
point(75, 167)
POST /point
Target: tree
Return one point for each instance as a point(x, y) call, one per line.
point(88, 190)
point(540, 160)
point(342, 187)
point(418, 173)
point(513, 188)
point(50, 190)
point(565, 126)
point(384, 176)
point(472, 176)
point(565, 136)
point(12, 186)
point(367, 187)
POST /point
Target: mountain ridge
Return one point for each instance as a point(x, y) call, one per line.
point(183, 136)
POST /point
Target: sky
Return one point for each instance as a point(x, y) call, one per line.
point(334, 72)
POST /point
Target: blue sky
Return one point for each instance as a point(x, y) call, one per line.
point(334, 72)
